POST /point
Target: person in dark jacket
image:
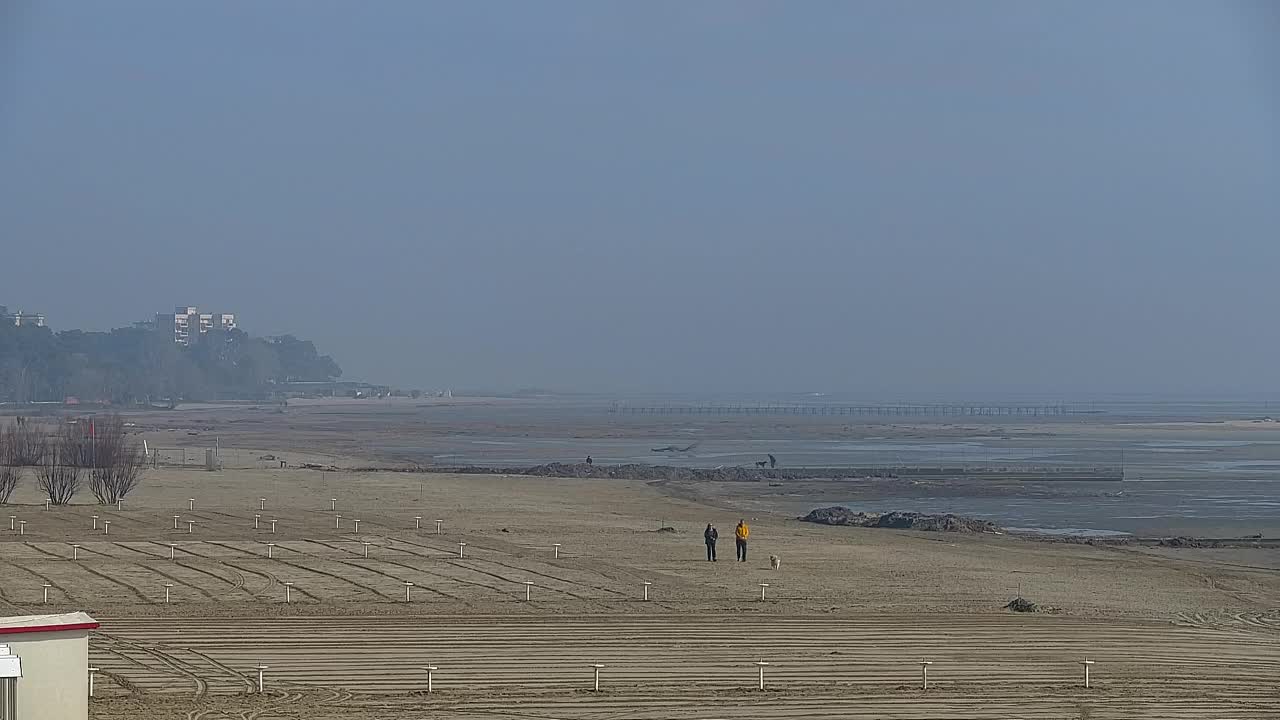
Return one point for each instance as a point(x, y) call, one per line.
point(710, 536)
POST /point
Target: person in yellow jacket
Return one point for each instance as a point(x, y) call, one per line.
point(740, 534)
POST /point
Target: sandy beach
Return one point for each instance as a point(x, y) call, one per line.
point(845, 619)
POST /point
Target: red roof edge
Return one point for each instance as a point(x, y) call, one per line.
point(48, 628)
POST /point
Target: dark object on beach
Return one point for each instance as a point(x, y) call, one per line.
point(1022, 605)
point(901, 521)
point(665, 530)
point(652, 473)
point(1181, 542)
point(773, 461)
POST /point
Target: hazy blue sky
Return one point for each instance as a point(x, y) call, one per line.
point(1067, 197)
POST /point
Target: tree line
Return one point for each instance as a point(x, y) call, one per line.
point(139, 365)
point(97, 450)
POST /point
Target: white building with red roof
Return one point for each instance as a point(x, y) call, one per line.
point(44, 666)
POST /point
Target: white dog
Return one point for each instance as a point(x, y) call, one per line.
point(775, 562)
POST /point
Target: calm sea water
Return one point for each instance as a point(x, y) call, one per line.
point(1217, 478)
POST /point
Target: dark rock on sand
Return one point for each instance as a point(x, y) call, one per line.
point(1184, 542)
point(900, 521)
point(1023, 605)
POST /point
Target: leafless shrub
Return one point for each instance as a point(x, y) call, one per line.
point(25, 441)
point(58, 476)
point(9, 477)
point(116, 461)
point(75, 438)
point(9, 472)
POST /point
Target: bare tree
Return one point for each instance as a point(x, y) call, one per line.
point(9, 477)
point(115, 461)
point(26, 442)
point(59, 475)
point(10, 471)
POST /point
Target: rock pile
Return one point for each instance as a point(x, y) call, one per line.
point(900, 521)
point(1184, 542)
point(1023, 605)
point(652, 473)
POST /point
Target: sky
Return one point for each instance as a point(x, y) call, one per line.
point(1041, 197)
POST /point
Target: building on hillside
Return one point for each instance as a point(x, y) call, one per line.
point(187, 323)
point(44, 666)
point(21, 318)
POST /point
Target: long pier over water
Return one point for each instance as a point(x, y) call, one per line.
point(959, 410)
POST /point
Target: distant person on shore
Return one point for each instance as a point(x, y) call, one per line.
point(710, 536)
point(740, 534)
point(590, 461)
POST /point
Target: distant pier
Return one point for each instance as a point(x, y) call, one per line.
point(937, 410)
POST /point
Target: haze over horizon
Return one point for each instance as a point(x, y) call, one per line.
point(1042, 197)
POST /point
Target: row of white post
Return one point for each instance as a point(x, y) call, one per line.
point(528, 584)
point(21, 525)
point(597, 667)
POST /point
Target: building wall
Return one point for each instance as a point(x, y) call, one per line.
point(21, 318)
point(188, 323)
point(55, 678)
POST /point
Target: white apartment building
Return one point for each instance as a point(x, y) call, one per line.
point(20, 318)
point(188, 323)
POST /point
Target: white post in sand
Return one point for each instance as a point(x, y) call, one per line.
point(257, 520)
point(596, 667)
point(408, 591)
point(761, 665)
point(1086, 663)
point(528, 589)
point(646, 589)
point(438, 526)
point(75, 552)
point(106, 527)
point(333, 504)
point(166, 592)
point(119, 504)
point(176, 518)
point(22, 527)
point(171, 548)
point(93, 675)
point(95, 522)
point(557, 547)
point(762, 588)
point(429, 670)
point(270, 547)
point(366, 549)
point(47, 503)
point(191, 524)
point(261, 686)
point(13, 518)
point(924, 674)
point(191, 504)
point(417, 525)
point(461, 546)
point(337, 522)
point(46, 591)
point(262, 503)
point(356, 523)
point(273, 526)
point(288, 595)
